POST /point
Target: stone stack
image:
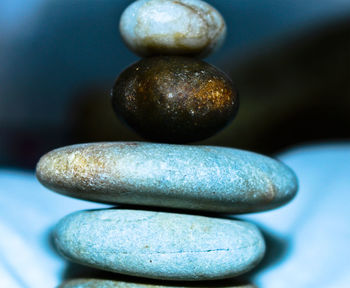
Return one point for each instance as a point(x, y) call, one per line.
point(171, 98)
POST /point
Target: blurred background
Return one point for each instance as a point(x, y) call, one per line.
point(290, 60)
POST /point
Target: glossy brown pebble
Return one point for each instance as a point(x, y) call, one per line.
point(174, 99)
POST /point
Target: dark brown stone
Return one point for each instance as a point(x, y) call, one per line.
point(174, 99)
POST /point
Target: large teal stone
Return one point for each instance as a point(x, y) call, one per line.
point(160, 245)
point(178, 176)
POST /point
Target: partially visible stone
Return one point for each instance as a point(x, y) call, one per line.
point(169, 27)
point(179, 176)
point(160, 245)
point(99, 283)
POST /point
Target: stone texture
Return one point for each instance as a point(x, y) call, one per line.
point(169, 27)
point(174, 99)
point(99, 283)
point(160, 245)
point(205, 178)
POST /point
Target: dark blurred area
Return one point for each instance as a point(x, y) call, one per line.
point(290, 60)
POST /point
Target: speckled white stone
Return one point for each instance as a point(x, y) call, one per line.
point(99, 283)
point(160, 245)
point(169, 27)
point(179, 176)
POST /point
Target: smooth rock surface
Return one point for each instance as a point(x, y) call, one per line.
point(180, 176)
point(174, 99)
point(99, 283)
point(160, 245)
point(169, 27)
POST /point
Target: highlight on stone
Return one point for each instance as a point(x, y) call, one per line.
point(174, 99)
point(169, 27)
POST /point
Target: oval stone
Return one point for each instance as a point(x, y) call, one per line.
point(169, 27)
point(100, 283)
point(174, 99)
point(160, 245)
point(205, 178)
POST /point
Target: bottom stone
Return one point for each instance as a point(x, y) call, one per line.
point(160, 245)
point(97, 283)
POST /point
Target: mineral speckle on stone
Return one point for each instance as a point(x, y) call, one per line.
point(99, 283)
point(179, 176)
point(174, 99)
point(169, 27)
point(160, 245)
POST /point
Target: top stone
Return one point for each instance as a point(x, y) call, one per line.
point(169, 27)
point(175, 176)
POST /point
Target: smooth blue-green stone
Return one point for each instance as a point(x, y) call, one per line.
point(177, 176)
point(160, 245)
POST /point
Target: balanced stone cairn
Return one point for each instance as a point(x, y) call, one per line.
point(175, 98)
